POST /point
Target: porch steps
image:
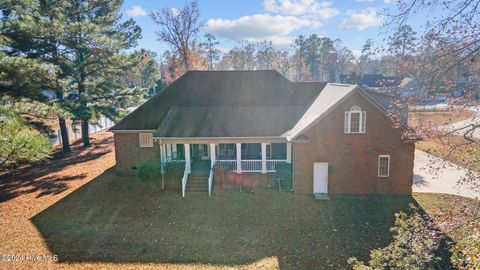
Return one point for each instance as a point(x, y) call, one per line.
point(197, 184)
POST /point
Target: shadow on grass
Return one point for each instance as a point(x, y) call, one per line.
point(124, 220)
point(46, 176)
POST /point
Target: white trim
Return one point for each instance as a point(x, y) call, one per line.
point(213, 154)
point(292, 137)
point(188, 167)
point(388, 165)
point(264, 156)
point(169, 151)
point(145, 139)
point(361, 120)
point(133, 131)
point(268, 153)
point(289, 152)
point(320, 168)
point(239, 157)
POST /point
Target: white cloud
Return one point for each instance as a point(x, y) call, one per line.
point(387, 1)
point(362, 19)
point(308, 8)
point(136, 11)
point(174, 12)
point(259, 27)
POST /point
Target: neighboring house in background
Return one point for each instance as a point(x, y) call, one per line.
point(466, 83)
point(337, 138)
point(374, 80)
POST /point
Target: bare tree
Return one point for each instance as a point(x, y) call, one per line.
point(178, 28)
point(209, 47)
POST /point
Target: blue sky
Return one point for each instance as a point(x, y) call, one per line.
point(352, 21)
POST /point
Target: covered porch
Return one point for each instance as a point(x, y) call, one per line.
point(239, 157)
point(236, 157)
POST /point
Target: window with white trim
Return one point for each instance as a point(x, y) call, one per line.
point(146, 139)
point(355, 120)
point(383, 166)
point(268, 150)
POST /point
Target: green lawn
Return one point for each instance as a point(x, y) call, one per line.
point(124, 220)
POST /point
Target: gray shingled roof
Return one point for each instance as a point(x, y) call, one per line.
point(221, 88)
point(238, 104)
point(241, 121)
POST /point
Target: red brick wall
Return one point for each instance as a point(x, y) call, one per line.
point(128, 152)
point(353, 158)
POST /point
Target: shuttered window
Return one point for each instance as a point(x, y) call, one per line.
point(383, 166)
point(146, 139)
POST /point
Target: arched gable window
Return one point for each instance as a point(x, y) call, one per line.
point(355, 120)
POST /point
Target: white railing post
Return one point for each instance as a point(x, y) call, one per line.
point(169, 151)
point(212, 155)
point(289, 152)
point(239, 158)
point(187, 157)
point(162, 161)
point(210, 181)
point(163, 152)
point(264, 158)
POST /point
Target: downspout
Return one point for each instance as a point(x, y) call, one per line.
point(293, 166)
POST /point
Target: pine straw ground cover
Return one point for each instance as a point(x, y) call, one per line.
point(77, 208)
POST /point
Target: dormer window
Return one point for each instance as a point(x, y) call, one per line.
point(355, 120)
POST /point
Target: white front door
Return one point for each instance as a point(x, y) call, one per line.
point(320, 177)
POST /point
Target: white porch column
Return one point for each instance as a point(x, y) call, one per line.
point(289, 152)
point(187, 157)
point(264, 158)
point(169, 151)
point(212, 155)
point(163, 153)
point(239, 158)
point(162, 159)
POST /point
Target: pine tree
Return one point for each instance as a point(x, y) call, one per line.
point(34, 32)
point(97, 38)
point(17, 142)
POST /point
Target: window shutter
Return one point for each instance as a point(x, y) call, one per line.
point(363, 121)
point(347, 126)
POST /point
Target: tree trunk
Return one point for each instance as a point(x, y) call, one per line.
point(83, 102)
point(85, 135)
point(64, 134)
point(63, 126)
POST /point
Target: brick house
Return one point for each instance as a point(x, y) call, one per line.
point(339, 139)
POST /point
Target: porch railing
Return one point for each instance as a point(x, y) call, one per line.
point(184, 181)
point(251, 165)
point(272, 164)
point(210, 182)
point(231, 163)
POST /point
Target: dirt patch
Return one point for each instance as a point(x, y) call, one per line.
point(453, 148)
point(435, 119)
point(77, 208)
